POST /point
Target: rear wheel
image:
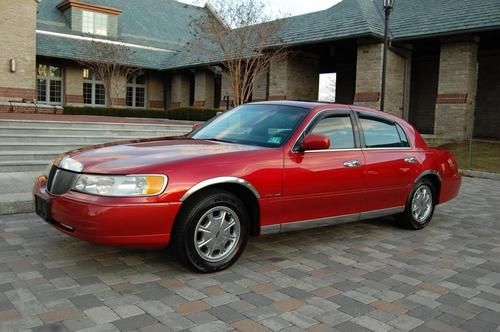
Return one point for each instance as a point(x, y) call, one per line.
point(419, 206)
point(211, 232)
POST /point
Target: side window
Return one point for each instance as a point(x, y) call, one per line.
point(338, 129)
point(380, 133)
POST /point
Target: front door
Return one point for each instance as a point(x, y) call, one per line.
point(325, 183)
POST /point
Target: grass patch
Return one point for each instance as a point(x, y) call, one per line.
point(485, 156)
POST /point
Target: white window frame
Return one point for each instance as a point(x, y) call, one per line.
point(95, 23)
point(93, 82)
point(134, 85)
point(47, 80)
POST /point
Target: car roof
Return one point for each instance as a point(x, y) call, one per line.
point(322, 105)
point(299, 103)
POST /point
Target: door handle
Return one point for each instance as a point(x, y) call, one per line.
point(411, 160)
point(352, 163)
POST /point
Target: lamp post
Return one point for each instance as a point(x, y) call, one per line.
point(388, 6)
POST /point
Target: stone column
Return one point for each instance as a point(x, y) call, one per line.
point(457, 89)
point(73, 88)
point(295, 77)
point(369, 78)
point(226, 90)
point(204, 84)
point(180, 90)
point(17, 33)
point(155, 89)
point(260, 89)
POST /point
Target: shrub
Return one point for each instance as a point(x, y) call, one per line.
point(181, 113)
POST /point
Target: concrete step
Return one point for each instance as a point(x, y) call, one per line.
point(16, 130)
point(31, 146)
point(28, 155)
point(65, 139)
point(23, 165)
point(96, 125)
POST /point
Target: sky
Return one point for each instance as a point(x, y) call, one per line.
point(291, 7)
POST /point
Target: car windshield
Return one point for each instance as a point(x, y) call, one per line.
point(254, 124)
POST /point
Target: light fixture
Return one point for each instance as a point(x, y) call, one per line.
point(388, 4)
point(12, 63)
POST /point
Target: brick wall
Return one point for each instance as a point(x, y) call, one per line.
point(369, 75)
point(295, 77)
point(155, 93)
point(73, 80)
point(204, 89)
point(180, 90)
point(260, 88)
point(17, 35)
point(456, 97)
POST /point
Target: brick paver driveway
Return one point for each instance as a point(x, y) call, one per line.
point(355, 277)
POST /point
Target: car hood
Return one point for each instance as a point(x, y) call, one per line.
point(143, 156)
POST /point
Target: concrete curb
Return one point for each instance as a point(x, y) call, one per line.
point(480, 174)
point(16, 203)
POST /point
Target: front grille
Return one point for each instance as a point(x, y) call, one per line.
point(60, 181)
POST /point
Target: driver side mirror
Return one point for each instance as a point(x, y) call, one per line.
point(196, 126)
point(315, 142)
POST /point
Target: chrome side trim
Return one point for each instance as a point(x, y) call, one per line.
point(271, 229)
point(219, 180)
point(396, 148)
point(314, 223)
point(381, 213)
point(429, 172)
point(332, 150)
point(329, 221)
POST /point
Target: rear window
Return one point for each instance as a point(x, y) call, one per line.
point(380, 133)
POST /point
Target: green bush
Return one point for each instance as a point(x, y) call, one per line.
point(182, 113)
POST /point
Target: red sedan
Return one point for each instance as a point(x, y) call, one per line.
point(261, 168)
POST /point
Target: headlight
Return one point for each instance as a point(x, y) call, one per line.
point(121, 186)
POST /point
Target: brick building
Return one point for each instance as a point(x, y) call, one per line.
point(443, 64)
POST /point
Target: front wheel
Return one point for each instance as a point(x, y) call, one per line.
point(419, 206)
point(211, 232)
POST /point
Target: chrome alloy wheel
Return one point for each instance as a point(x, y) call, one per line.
point(217, 234)
point(421, 205)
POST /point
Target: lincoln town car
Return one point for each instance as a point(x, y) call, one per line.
point(261, 168)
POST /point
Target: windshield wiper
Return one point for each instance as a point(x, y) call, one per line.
point(219, 140)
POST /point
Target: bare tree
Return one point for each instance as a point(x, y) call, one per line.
point(245, 38)
point(111, 62)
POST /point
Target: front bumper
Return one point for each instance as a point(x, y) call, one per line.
point(130, 222)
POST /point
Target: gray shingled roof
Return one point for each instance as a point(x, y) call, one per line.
point(418, 18)
point(161, 24)
point(165, 24)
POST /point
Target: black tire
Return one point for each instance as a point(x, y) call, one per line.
point(408, 218)
point(196, 213)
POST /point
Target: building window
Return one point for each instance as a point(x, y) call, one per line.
point(93, 89)
point(136, 92)
point(94, 23)
point(49, 84)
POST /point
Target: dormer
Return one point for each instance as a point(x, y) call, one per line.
point(90, 18)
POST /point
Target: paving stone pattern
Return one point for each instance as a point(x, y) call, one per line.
point(369, 276)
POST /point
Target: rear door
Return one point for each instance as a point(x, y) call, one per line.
point(392, 164)
point(325, 183)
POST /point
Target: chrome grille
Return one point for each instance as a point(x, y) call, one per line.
point(60, 181)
